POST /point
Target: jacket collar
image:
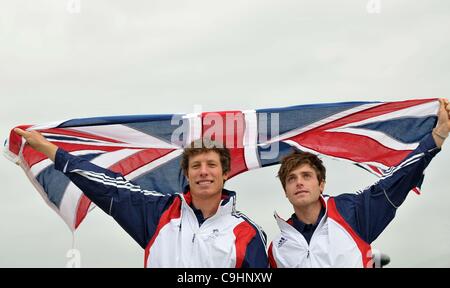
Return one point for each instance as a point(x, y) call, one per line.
point(227, 204)
point(287, 224)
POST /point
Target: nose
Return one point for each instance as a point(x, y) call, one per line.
point(299, 183)
point(204, 170)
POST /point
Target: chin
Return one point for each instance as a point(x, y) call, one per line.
point(302, 202)
point(205, 191)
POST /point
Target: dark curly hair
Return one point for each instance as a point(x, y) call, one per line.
point(297, 159)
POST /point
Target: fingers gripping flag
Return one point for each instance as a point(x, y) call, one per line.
point(147, 149)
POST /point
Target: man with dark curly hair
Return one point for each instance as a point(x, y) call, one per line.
point(337, 231)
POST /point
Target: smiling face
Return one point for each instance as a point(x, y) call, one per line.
point(302, 186)
point(205, 175)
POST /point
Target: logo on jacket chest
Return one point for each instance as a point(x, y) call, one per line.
point(281, 242)
point(214, 234)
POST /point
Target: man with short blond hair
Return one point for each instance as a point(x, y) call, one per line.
point(198, 227)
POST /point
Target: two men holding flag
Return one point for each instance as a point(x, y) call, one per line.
point(201, 228)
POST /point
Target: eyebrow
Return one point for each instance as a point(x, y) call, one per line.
point(207, 161)
point(302, 173)
point(306, 172)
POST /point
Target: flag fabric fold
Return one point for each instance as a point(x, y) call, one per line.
point(147, 149)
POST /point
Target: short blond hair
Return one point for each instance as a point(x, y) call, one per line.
point(201, 146)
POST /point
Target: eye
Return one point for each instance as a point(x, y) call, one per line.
point(290, 179)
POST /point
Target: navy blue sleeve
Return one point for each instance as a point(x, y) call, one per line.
point(370, 211)
point(136, 210)
point(255, 254)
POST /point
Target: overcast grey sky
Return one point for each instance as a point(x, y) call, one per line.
point(149, 57)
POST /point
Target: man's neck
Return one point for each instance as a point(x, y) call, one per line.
point(208, 206)
point(308, 214)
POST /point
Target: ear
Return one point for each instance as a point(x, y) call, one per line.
point(225, 175)
point(186, 175)
point(322, 186)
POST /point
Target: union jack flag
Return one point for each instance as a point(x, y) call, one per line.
point(146, 149)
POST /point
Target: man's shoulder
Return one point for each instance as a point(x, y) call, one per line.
point(249, 225)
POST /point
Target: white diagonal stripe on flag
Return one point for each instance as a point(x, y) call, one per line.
point(127, 135)
point(251, 139)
